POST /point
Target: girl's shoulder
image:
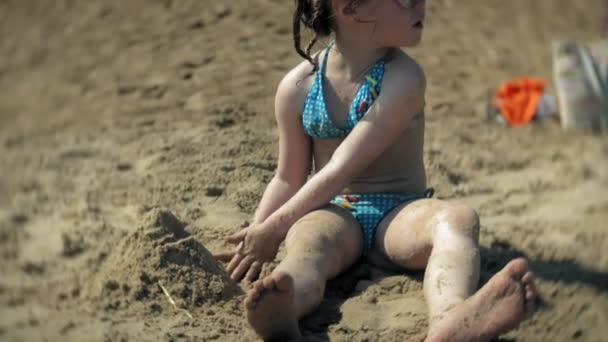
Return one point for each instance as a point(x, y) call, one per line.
point(400, 61)
point(293, 90)
point(404, 71)
point(296, 83)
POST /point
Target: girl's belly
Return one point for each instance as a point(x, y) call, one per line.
point(411, 180)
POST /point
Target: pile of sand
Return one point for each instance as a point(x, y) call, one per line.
point(160, 253)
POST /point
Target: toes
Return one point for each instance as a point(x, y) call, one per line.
point(258, 285)
point(530, 303)
point(530, 293)
point(254, 295)
point(517, 268)
point(247, 302)
point(530, 288)
point(268, 283)
point(279, 281)
point(251, 301)
point(283, 281)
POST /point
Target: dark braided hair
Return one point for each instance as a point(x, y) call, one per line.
point(316, 15)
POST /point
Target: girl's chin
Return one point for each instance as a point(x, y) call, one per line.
point(411, 39)
point(411, 42)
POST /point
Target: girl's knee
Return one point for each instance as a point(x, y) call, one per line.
point(308, 238)
point(461, 220)
point(324, 232)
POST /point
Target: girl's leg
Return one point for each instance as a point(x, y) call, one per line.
point(443, 238)
point(319, 246)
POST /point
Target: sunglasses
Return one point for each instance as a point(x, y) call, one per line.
point(409, 3)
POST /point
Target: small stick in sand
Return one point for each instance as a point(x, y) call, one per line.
point(173, 302)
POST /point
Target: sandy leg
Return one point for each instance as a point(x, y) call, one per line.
point(444, 237)
point(319, 247)
point(496, 308)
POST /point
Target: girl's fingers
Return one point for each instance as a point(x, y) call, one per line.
point(224, 256)
point(240, 270)
point(237, 237)
point(266, 269)
point(236, 260)
point(254, 271)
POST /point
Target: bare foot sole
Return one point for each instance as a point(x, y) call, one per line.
point(496, 308)
point(270, 308)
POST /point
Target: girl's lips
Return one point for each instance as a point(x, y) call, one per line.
point(419, 23)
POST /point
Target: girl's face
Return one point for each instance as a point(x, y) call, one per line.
point(393, 22)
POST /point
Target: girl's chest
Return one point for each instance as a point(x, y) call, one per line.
point(339, 96)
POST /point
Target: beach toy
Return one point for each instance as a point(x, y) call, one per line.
point(518, 100)
point(581, 81)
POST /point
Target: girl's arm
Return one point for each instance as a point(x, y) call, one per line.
point(256, 245)
point(278, 191)
point(401, 99)
point(294, 158)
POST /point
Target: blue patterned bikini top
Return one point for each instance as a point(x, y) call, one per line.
point(316, 120)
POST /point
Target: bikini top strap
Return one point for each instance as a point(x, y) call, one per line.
point(325, 57)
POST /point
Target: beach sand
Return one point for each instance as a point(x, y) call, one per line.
point(135, 135)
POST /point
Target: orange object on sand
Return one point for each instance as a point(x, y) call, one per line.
point(518, 99)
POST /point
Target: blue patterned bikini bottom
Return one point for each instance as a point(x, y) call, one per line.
point(370, 208)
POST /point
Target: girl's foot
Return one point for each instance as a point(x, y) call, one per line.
point(497, 307)
point(270, 308)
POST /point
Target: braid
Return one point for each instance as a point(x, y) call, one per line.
point(302, 15)
point(315, 16)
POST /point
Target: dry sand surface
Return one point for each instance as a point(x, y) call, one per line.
point(135, 134)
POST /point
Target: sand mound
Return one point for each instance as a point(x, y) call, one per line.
point(159, 252)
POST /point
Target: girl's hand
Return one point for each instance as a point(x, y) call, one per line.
point(256, 246)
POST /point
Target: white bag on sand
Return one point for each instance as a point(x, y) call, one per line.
point(581, 81)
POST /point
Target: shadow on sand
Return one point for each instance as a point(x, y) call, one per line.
point(493, 259)
point(567, 272)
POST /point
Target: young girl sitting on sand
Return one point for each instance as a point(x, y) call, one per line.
point(355, 109)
